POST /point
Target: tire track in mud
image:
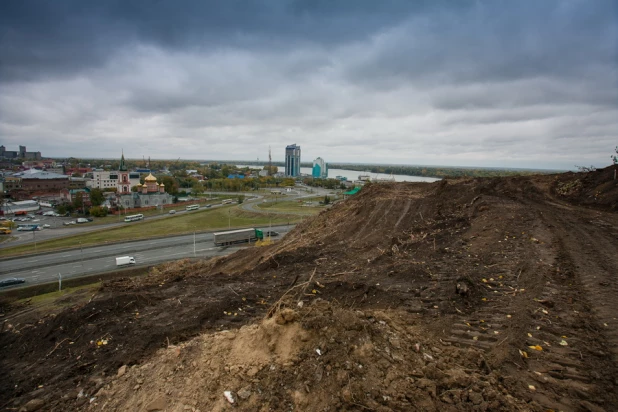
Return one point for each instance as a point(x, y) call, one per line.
point(588, 252)
point(578, 300)
point(568, 289)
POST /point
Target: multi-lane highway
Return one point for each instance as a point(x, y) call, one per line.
point(79, 262)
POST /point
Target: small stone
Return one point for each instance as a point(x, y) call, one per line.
point(122, 370)
point(136, 387)
point(244, 393)
point(156, 405)
point(475, 397)
point(33, 405)
point(286, 316)
point(229, 396)
point(252, 372)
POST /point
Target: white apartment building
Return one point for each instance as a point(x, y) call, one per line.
point(104, 179)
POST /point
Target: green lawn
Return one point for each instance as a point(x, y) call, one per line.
point(293, 206)
point(197, 221)
point(214, 199)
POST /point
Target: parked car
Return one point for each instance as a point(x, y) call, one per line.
point(46, 226)
point(70, 222)
point(11, 281)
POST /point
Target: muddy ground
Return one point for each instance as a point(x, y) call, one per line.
point(460, 295)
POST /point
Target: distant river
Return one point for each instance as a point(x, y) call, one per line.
point(352, 175)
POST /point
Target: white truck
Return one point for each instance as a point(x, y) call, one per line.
point(125, 260)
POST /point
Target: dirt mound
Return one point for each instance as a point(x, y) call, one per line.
point(597, 188)
point(468, 294)
point(320, 357)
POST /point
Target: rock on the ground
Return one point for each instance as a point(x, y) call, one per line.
point(156, 405)
point(32, 405)
point(244, 393)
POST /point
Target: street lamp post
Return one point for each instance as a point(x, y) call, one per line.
point(229, 218)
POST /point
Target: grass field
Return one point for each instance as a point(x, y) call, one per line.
point(197, 221)
point(293, 206)
point(155, 212)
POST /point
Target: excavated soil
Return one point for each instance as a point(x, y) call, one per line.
point(461, 295)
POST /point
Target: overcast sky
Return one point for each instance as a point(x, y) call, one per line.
point(470, 83)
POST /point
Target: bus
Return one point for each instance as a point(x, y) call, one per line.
point(193, 207)
point(133, 218)
point(27, 228)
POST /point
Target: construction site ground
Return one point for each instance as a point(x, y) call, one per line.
point(493, 294)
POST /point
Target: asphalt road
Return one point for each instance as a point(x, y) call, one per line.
point(58, 229)
point(79, 262)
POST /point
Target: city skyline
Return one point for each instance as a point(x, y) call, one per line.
point(471, 83)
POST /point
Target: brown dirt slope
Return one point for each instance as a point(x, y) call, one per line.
point(472, 294)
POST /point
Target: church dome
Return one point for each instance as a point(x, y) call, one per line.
point(150, 178)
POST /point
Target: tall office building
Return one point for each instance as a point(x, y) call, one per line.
point(320, 169)
point(292, 160)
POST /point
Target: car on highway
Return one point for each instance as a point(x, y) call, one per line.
point(71, 222)
point(172, 212)
point(11, 281)
point(46, 226)
point(271, 233)
point(208, 206)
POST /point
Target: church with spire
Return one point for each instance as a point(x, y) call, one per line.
point(123, 187)
point(150, 194)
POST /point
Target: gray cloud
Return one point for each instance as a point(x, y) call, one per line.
point(461, 83)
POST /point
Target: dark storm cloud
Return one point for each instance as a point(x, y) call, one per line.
point(59, 38)
point(493, 41)
point(449, 82)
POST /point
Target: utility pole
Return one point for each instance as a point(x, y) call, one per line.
point(59, 282)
